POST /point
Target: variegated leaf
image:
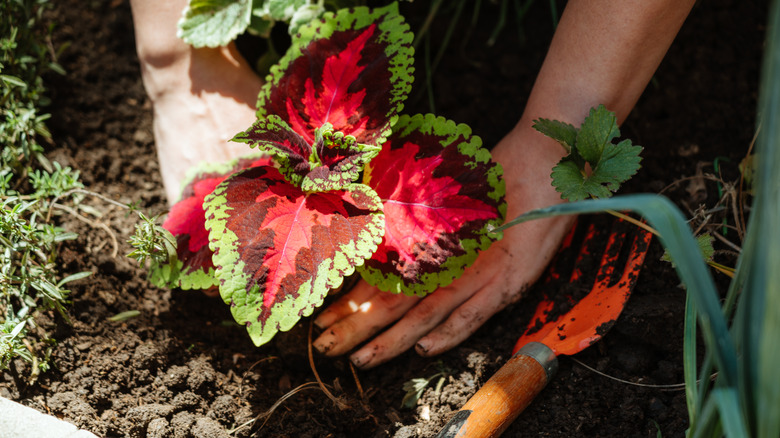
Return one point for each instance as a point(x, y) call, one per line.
point(352, 70)
point(339, 160)
point(279, 250)
point(441, 193)
point(186, 220)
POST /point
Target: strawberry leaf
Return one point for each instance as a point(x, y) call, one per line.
point(192, 267)
point(610, 164)
point(618, 163)
point(569, 180)
point(352, 70)
point(598, 130)
point(563, 133)
point(279, 250)
point(441, 193)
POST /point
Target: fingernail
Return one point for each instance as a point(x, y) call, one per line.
point(362, 358)
point(325, 319)
point(325, 342)
point(422, 347)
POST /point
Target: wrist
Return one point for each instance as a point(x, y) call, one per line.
point(527, 158)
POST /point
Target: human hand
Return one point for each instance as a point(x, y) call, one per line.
point(499, 276)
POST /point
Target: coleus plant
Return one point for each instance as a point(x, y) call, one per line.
point(347, 183)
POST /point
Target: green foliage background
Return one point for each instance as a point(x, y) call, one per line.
point(30, 185)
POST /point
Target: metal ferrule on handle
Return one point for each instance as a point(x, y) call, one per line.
point(493, 408)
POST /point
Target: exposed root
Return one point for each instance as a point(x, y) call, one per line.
point(243, 377)
point(357, 383)
point(340, 404)
point(267, 414)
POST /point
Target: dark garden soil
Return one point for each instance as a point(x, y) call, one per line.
point(181, 369)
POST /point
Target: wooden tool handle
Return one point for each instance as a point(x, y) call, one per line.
point(493, 408)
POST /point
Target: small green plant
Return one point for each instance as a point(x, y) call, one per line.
point(30, 282)
point(415, 387)
point(152, 242)
point(590, 146)
point(31, 187)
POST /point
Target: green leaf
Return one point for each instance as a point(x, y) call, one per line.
point(414, 389)
point(214, 23)
point(13, 80)
point(563, 133)
point(303, 16)
point(123, 316)
point(610, 164)
point(569, 180)
point(282, 10)
point(705, 246)
point(729, 408)
point(74, 277)
point(598, 129)
point(616, 165)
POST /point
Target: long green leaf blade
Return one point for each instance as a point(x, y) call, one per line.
point(727, 401)
point(689, 362)
point(762, 288)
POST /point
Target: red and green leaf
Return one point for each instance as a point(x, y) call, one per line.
point(339, 161)
point(352, 70)
point(441, 194)
point(278, 250)
point(273, 135)
point(334, 162)
point(186, 220)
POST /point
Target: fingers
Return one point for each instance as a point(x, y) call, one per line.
point(404, 334)
point(346, 305)
point(357, 316)
point(467, 318)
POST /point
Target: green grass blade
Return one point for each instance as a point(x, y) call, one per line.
point(689, 361)
point(727, 401)
point(762, 289)
point(704, 386)
point(676, 236)
point(708, 425)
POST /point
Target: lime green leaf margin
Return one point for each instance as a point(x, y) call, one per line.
point(240, 289)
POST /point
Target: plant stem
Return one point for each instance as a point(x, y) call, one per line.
point(636, 222)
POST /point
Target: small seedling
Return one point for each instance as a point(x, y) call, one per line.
point(415, 387)
point(595, 167)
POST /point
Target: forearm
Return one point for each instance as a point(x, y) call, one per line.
point(155, 29)
point(604, 52)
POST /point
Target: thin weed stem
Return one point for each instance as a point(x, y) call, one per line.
point(636, 222)
point(91, 223)
point(670, 387)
